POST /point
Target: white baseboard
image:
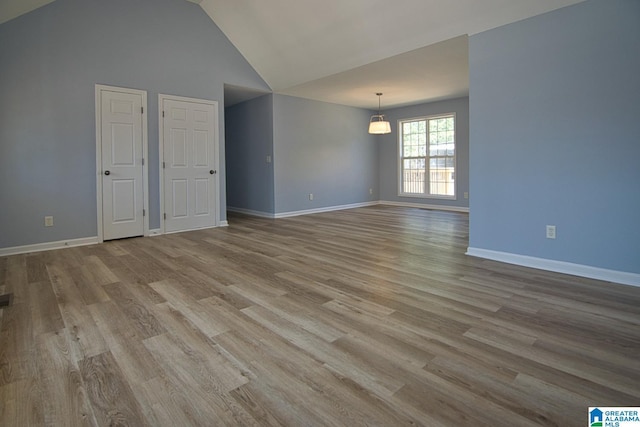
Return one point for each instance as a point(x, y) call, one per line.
point(262, 214)
point(425, 206)
point(270, 215)
point(47, 246)
point(622, 277)
point(251, 212)
point(325, 209)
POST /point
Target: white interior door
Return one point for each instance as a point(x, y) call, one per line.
point(121, 133)
point(189, 129)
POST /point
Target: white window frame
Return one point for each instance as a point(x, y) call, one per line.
point(399, 147)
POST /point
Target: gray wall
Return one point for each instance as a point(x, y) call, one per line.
point(52, 58)
point(323, 149)
point(249, 140)
point(388, 148)
point(555, 130)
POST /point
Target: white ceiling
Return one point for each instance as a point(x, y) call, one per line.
point(437, 71)
point(344, 51)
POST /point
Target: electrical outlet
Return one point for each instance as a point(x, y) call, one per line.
point(48, 221)
point(371, 191)
point(466, 195)
point(551, 231)
point(268, 159)
point(310, 196)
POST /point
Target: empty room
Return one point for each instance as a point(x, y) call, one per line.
point(295, 213)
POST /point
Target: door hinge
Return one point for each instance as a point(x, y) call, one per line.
point(162, 113)
point(144, 213)
point(143, 162)
point(163, 165)
point(141, 110)
point(165, 216)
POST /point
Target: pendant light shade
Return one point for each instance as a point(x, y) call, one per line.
point(378, 125)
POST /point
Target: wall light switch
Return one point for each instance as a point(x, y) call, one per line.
point(268, 159)
point(310, 196)
point(48, 221)
point(466, 195)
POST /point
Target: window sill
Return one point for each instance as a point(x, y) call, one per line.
point(426, 196)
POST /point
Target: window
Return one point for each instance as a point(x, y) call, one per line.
point(428, 157)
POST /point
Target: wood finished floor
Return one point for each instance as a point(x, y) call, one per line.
point(370, 316)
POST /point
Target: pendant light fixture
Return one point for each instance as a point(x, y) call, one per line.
point(378, 125)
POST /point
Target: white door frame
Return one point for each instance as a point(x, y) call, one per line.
point(145, 154)
point(216, 148)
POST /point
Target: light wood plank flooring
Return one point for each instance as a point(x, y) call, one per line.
point(370, 316)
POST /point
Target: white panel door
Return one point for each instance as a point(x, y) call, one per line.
point(121, 133)
point(189, 135)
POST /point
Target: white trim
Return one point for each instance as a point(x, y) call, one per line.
point(426, 196)
point(623, 277)
point(251, 212)
point(325, 209)
point(425, 206)
point(161, 159)
point(263, 214)
point(216, 144)
point(192, 229)
point(47, 246)
point(162, 96)
point(145, 154)
point(427, 166)
point(157, 232)
point(98, 160)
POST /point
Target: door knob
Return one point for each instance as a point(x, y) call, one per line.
point(107, 173)
point(211, 172)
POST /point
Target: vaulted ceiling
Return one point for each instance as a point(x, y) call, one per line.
point(344, 51)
